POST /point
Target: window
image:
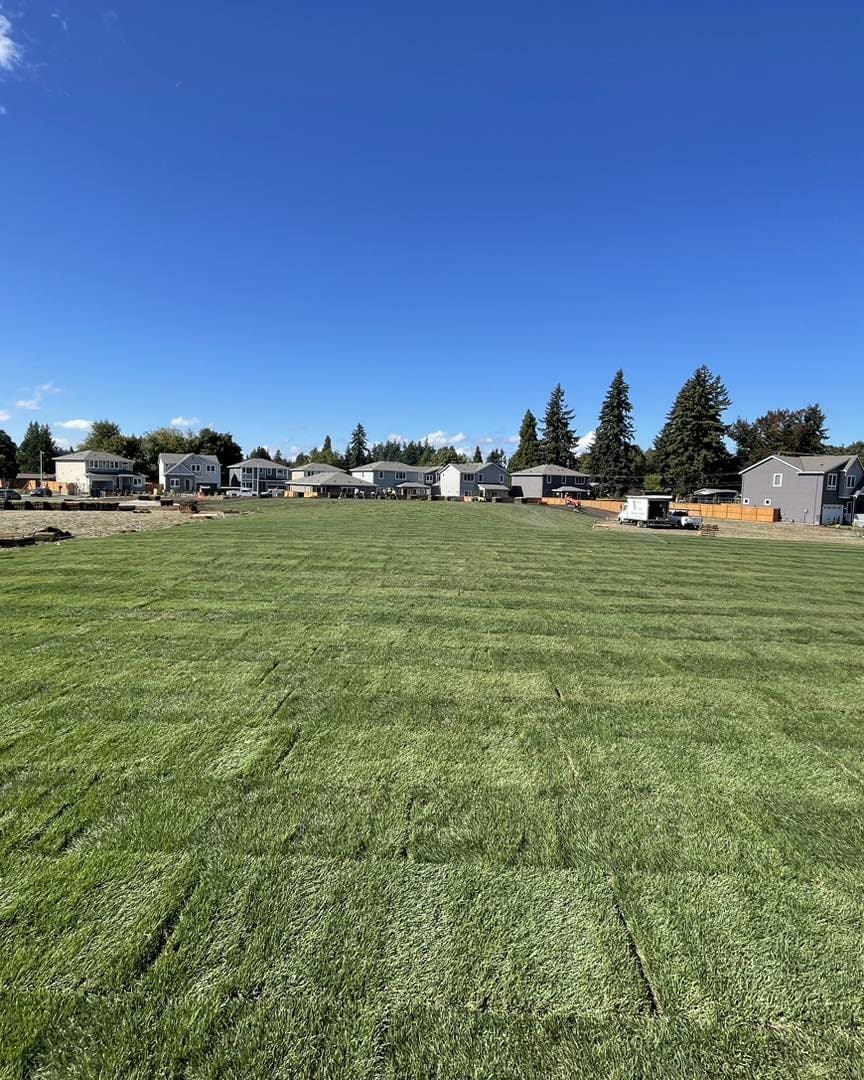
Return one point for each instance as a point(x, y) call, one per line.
point(400, 475)
point(850, 480)
point(210, 468)
point(767, 502)
point(196, 468)
point(746, 502)
point(469, 476)
point(778, 479)
point(380, 475)
point(480, 477)
point(832, 481)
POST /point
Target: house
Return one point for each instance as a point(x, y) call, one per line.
point(331, 483)
point(259, 474)
point(816, 489)
point(487, 479)
point(406, 480)
point(303, 472)
point(29, 481)
point(547, 481)
point(187, 474)
point(96, 472)
point(715, 495)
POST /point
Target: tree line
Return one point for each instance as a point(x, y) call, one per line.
point(690, 451)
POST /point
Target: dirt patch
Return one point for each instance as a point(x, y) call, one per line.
point(89, 523)
point(746, 530)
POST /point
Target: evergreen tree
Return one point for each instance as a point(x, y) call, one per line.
point(358, 448)
point(612, 453)
point(690, 451)
point(528, 451)
point(37, 437)
point(478, 454)
point(559, 437)
point(8, 459)
point(278, 458)
point(496, 457)
point(260, 452)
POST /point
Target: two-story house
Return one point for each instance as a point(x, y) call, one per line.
point(260, 474)
point(96, 472)
point(549, 481)
point(814, 489)
point(397, 476)
point(487, 479)
point(187, 474)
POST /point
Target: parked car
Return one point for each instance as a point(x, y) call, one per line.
point(9, 493)
point(681, 519)
point(42, 492)
point(268, 494)
point(232, 493)
point(246, 494)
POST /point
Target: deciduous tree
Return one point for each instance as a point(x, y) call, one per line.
point(8, 458)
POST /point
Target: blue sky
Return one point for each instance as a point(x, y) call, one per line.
point(280, 218)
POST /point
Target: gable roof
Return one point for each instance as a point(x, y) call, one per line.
point(178, 464)
point(548, 470)
point(263, 463)
point(91, 455)
point(472, 466)
point(334, 478)
point(313, 466)
point(808, 463)
point(390, 466)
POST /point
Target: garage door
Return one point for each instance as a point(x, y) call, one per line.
point(832, 514)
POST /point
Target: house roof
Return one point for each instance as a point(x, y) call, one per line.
point(472, 466)
point(493, 487)
point(809, 463)
point(171, 461)
point(263, 463)
point(34, 476)
point(313, 466)
point(90, 455)
point(390, 466)
point(334, 478)
point(548, 470)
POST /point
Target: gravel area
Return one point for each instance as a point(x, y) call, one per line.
point(91, 523)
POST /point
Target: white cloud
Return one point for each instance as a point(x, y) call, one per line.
point(513, 440)
point(10, 54)
point(39, 393)
point(74, 425)
point(396, 437)
point(2, 110)
point(184, 421)
point(443, 438)
point(584, 444)
point(56, 15)
point(5, 415)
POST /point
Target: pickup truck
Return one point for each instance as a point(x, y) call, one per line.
point(681, 519)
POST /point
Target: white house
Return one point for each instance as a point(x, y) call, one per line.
point(96, 472)
point(488, 479)
point(260, 474)
point(187, 474)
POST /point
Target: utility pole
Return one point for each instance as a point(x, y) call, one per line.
point(41, 469)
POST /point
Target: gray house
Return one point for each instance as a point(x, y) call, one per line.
point(332, 483)
point(187, 474)
point(476, 478)
point(259, 474)
point(815, 489)
point(407, 480)
point(547, 481)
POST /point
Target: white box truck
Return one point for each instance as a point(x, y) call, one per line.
point(645, 510)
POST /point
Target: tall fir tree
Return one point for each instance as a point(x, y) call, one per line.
point(527, 453)
point(8, 458)
point(37, 437)
point(612, 453)
point(358, 448)
point(478, 454)
point(559, 438)
point(259, 452)
point(690, 451)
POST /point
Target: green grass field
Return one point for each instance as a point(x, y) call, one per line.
point(430, 790)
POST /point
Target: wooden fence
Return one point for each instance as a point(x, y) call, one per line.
point(717, 511)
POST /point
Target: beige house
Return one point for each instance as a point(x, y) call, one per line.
point(96, 472)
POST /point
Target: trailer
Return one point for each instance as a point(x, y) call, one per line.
point(646, 511)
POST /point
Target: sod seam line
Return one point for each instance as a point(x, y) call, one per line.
point(654, 1007)
point(164, 932)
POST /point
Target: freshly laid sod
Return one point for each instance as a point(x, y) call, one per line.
point(431, 790)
